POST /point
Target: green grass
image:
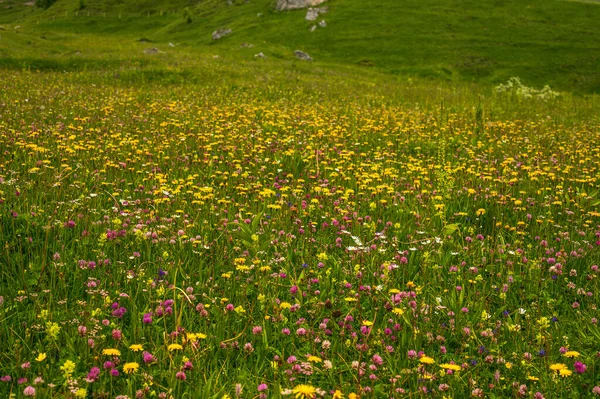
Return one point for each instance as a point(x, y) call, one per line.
point(542, 42)
point(261, 199)
point(245, 183)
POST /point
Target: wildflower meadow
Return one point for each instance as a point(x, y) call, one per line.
point(288, 240)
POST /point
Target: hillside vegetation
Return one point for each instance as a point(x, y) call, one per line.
point(489, 41)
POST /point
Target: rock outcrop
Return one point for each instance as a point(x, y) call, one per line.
point(283, 5)
point(221, 33)
point(313, 13)
point(301, 55)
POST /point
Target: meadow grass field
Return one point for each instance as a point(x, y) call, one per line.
point(201, 224)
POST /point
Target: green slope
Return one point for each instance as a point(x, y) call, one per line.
point(541, 41)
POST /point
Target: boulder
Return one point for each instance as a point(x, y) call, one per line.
point(151, 50)
point(283, 5)
point(322, 23)
point(219, 33)
point(301, 55)
point(259, 55)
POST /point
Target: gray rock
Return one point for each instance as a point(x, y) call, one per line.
point(313, 28)
point(219, 33)
point(322, 23)
point(301, 55)
point(260, 55)
point(313, 13)
point(283, 5)
point(246, 45)
point(151, 50)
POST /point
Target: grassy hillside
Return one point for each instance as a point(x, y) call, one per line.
point(541, 41)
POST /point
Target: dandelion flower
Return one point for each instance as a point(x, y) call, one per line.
point(427, 360)
point(572, 354)
point(557, 366)
point(174, 347)
point(304, 391)
point(130, 368)
point(338, 394)
point(448, 366)
point(41, 357)
point(136, 347)
point(315, 359)
point(565, 372)
point(111, 352)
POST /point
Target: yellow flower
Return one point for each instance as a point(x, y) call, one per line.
point(508, 365)
point(315, 359)
point(565, 372)
point(338, 394)
point(410, 285)
point(41, 357)
point(572, 354)
point(52, 329)
point(81, 393)
point(448, 366)
point(239, 309)
point(532, 378)
point(174, 347)
point(427, 360)
point(68, 368)
point(480, 212)
point(136, 347)
point(111, 352)
point(190, 337)
point(304, 391)
point(322, 256)
point(398, 311)
point(367, 323)
point(352, 395)
point(557, 366)
point(130, 368)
